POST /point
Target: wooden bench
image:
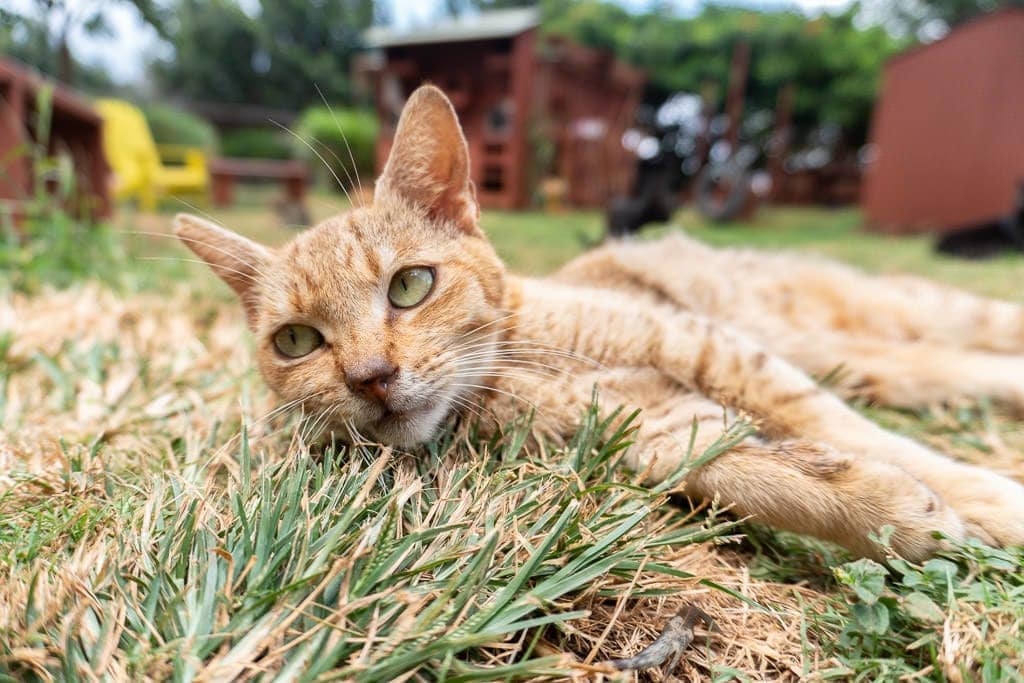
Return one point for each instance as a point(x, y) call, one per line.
point(225, 172)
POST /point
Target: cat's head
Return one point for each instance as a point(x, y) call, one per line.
point(382, 320)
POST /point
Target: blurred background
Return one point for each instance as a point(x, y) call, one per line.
point(835, 125)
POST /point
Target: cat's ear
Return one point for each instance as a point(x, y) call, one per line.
point(236, 260)
point(429, 161)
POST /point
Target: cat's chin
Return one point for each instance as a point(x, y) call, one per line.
point(410, 428)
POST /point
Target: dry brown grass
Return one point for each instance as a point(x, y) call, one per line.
point(106, 392)
point(119, 414)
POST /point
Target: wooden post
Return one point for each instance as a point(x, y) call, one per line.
point(737, 89)
point(15, 180)
point(521, 83)
point(782, 136)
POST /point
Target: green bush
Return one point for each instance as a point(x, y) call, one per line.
point(327, 130)
point(53, 242)
point(256, 143)
point(172, 126)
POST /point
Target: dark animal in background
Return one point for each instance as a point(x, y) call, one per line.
point(653, 199)
point(664, 140)
point(681, 149)
point(989, 239)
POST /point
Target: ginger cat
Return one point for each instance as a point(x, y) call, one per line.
point(387, 320)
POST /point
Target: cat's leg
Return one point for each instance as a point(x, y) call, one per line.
point(810, 488)
point(799, 486)
point(946, 315)
point(907, 374)
point(834, 296)
point(732, 370)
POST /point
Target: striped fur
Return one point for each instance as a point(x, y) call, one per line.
point(686, 333)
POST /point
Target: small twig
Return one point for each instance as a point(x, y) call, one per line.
point(675, 637)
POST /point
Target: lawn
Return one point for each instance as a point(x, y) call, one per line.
point(159, 520)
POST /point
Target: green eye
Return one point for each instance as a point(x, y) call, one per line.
point(410, 286)
point(296, 341)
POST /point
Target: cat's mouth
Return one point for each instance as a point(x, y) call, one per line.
point(406, 412)
point(407, 423)
point(389, 415)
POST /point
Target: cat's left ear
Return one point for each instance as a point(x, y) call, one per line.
point(236, 260)
point(429, 161)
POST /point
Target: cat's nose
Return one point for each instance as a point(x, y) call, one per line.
point(372, 380)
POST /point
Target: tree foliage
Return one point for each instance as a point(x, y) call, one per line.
point(278, 56)
point(37, 34)
point(834, 64)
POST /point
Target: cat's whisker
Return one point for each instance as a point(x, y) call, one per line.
point(352, 158)
point(514, 352)
point(492, 350)
point(477, 336)
point(463, 403)
point(353, 434)
point(357, 437)
point(201, 212)
point(344, 168)
point(330, 205)
point(305, 422)
point(191, 240)
point(318, 155)
point(538, 415)
point(510, 377)
point(539, 347)
point(183, 259)
point(483, 387)
point(321, 422)
point(490, 367)
point(511, 364)
point(525, 354)
point(291, 404)
point(489, 323)
point(501, 375)
point(281, 409)
point(250, 425)
point(475, 410)
point(306, 428)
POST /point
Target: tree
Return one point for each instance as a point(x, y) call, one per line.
point(276, 57)
point(39, 35)
point(834, 65)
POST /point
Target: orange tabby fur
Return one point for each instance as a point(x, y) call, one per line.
point(680, 330)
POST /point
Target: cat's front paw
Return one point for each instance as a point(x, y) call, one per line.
point(991, 505)
point(926, 524)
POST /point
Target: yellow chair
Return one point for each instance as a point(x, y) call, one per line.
point(140, 165)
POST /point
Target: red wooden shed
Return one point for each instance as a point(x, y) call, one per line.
point(531, 106)
point(74, 131)
point(948, 130)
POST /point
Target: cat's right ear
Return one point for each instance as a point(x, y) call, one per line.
point(429, 162)
point(236, 260)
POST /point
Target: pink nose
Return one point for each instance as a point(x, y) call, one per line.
point(372, 380)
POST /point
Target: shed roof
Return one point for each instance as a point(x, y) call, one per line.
point(483, 26)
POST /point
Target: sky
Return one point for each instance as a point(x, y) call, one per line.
point(125, 53)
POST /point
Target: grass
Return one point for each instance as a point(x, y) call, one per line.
point(537, 243)
point(158, 521)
